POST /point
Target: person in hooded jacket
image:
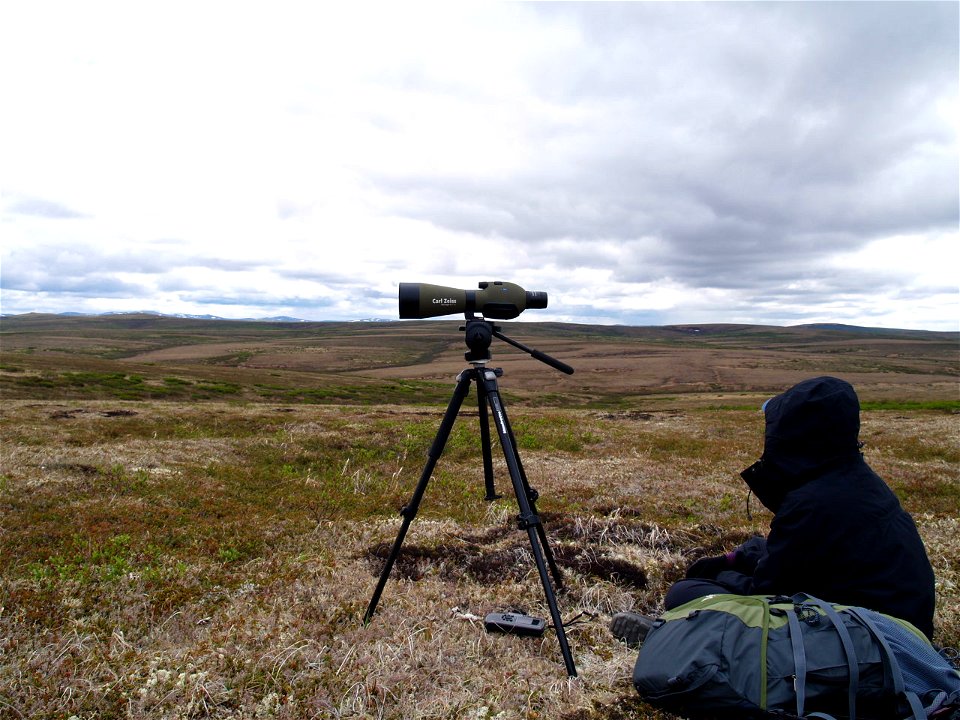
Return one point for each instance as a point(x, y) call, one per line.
point(838, 532)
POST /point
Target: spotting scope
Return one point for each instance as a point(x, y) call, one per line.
point(497, 300)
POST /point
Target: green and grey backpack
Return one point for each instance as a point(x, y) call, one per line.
point(738, 656)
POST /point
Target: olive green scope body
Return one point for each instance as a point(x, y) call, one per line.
point(496, 300)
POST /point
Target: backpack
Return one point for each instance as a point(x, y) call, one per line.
point(756, 656)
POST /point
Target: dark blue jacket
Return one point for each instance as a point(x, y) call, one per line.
point(838, 532)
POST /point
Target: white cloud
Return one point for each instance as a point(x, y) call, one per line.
point(914, 262)
point(640, 162)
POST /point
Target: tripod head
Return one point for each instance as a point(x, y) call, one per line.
point(479, 335)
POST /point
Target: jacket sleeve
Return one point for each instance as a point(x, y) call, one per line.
point(788, 562)
point(748, 555)
point(739, 578)
point(736, 582)
point(796, 538)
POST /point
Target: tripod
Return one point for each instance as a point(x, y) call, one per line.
point(479, 335)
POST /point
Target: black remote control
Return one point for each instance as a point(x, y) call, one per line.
point(514, 623)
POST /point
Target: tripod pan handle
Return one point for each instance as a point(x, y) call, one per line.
point(552, 362)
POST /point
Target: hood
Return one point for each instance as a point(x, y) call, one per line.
point(811, 426)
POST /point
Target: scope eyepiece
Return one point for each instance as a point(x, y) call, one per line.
point(496, 300)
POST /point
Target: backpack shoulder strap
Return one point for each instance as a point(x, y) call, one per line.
point(899, 687)
point(799, 660)
point(848, 649)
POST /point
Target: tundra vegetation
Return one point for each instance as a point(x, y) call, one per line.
point(193, 514)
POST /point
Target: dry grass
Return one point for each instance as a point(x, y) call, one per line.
point(173, 560)
point(193, 514)
point(144, 357)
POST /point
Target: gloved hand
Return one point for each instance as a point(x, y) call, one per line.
point(747, 555)
point(709, 567)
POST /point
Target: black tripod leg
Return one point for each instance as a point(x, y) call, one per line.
point(409, 511)
point(532, 496)
point(485, 443)
point(528, 519)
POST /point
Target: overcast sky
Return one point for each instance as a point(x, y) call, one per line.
point(642, 163)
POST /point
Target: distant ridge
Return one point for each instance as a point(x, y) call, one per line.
point(845, 328)
point(703, 330)
point(186, 316)
point(840, 327)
